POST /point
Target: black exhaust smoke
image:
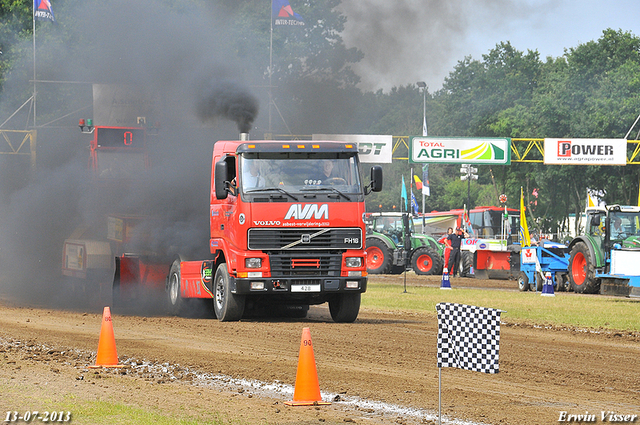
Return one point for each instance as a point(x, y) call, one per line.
point(227, 99)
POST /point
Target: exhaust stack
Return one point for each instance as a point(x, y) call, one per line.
point(244, 137)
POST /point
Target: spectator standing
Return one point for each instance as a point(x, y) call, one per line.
point(454, 258)
point(447, 246)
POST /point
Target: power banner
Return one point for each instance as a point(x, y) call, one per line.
point(459, 150)
point(585, 151)
point(376, 149)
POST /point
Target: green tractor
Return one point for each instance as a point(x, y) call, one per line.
point(387, 236)
point(605, 259)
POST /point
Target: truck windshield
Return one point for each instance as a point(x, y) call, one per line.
point(489, 224)
point(263, 171)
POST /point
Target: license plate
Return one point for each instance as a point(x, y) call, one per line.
point(305, 288)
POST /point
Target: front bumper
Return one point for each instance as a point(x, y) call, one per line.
point(299, 286)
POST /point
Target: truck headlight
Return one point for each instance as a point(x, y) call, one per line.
point(353, 261)
point(253, 263)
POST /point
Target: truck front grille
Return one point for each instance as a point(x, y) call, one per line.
point(326, 265)
point(305, 239)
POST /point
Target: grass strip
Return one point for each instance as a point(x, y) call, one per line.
point(565, 309)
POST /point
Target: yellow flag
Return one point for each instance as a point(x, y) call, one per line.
point(590, 202)
point(525, 239)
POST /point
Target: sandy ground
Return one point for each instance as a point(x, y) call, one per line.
point(380, 369)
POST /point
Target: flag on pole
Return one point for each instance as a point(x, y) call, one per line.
point(468, 337)
point(594, 197)
point(42, 10)
point(403, 196)
point(418, 182)
point(425, 180)
point(420, 185)
point(466, 222)
point(525, 239)
point(414, 204)
point(282, 14)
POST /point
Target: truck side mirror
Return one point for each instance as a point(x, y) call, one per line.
point(595, 220)
point(220, 177)
point(376, 178)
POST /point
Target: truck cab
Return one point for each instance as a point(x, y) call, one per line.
point(286, 227)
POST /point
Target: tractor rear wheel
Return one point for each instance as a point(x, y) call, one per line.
point(379, 257)
point(425, 261)
point(582, 273)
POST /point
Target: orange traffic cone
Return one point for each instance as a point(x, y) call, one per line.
point(307, 390)
point(107, 353)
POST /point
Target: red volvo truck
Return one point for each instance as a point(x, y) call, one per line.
point(286, 229)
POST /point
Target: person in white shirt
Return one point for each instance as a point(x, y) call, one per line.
point(617, 231)
point(251, 177)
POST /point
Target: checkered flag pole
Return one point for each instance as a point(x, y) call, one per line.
point(468, 337)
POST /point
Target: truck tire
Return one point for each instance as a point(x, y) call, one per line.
point(539, 282)
point(344, 308)
point(561, 282)
point(466, 262)
point(227, 306)
point(175, 302)
point(425, 261)
point(582, 270)
point(523, 282)
point(379, 257)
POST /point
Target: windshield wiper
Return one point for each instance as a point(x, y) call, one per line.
point(329, 188)
point(268, 189)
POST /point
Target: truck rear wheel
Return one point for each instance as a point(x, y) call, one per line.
point(175, 302)
point(425, 261)
point(227, 306)
point(582, 270)
point(344, 308)
point(378, 257)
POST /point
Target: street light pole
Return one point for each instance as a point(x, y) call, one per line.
point(423, 85)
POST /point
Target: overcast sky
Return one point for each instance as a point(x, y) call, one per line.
point(405, 41)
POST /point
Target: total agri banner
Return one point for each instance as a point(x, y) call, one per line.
point(375, 149)
point(460, 150)
point(585, 151)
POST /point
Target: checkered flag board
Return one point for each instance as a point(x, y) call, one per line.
point(468, 337)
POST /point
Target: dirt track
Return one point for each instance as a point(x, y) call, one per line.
point(382, 357)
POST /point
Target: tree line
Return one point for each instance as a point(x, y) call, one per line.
point(591, 91)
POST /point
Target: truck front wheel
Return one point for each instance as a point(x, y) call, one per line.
point(582, 270)
point(227, 306)
point(344, 308)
